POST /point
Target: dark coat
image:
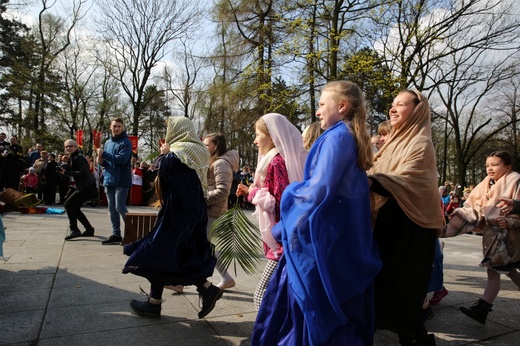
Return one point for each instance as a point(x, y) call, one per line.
point(176, 251)
point(79, 169)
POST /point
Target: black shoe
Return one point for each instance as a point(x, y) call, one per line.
point(146, 308)
point(478, 311)
point(88, 233)
point(209, 297)
point(73, 234)
point(112, 240)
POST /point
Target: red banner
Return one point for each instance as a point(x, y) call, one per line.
point(79, 138)
point(134, 140)
point(96, 139)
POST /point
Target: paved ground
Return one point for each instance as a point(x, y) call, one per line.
point(56, 292)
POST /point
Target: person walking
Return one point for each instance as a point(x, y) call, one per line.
point(403, 182)
point(485, 212)
point(177, 250)
point(322, 292)
point(223, 163)
point(78, 169)
point(281, 157)
point(115, 158)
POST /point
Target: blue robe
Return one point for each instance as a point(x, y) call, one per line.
point(176, 251)
point(322, 290)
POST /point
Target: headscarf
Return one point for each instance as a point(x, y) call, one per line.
point(288, 142)
point(406, 167)
point(188, 147)
point(481, 204)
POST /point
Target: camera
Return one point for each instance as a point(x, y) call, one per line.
point(63, 165)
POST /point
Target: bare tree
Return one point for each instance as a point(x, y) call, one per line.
point(468, 90)
point(140, 33)
point(54, 36)
point(182, 83)
point(78, 69)
point(416, 34)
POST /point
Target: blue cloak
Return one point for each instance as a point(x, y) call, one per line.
point(322, 290)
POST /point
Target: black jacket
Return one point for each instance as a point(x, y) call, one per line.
point(78, 169)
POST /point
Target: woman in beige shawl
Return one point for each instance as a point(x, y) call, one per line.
point(403, 182)
point(500, 234)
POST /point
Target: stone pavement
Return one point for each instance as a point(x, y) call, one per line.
point(56, 292)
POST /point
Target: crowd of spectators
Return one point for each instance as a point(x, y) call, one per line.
point(35, 171)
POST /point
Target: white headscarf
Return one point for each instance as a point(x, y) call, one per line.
point(288, 142)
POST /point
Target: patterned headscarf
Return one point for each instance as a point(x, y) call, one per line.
point(188, 147)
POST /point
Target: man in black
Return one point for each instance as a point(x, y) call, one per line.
point(51, 177)
point(14, 164)
point(3, 147)
point(79, 169)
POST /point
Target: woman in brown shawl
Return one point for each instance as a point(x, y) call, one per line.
point(403, 182)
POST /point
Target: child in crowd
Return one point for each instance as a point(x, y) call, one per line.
point(30, 181)
point(383, 130)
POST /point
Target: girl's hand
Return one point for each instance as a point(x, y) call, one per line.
point(506, 204)
point(502, 223)
point(242, 190)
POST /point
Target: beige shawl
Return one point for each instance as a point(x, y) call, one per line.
point(406, 167)
point(188, 147)
point(480, 214)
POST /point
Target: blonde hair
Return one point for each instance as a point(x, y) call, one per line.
point(262, 126)
point(384, 128)
point(356, 116)
point(311, 134)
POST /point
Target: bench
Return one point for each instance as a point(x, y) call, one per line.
point(137, 225)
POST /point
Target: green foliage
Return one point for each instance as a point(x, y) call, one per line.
point(366, 68)
point(154, 113)
point(237, 240)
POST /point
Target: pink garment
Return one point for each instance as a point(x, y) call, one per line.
point(265, 205)
point(276, 180)
point(30, 180)
point(285, 167)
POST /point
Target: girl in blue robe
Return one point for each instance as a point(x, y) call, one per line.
point(322, 290)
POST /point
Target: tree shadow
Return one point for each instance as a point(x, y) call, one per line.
point(55, 307)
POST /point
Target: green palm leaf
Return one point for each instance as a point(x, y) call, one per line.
point(236, 240)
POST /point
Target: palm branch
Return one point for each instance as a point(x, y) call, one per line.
point(236, 240)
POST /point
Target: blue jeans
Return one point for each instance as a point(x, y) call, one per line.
point(116, 197)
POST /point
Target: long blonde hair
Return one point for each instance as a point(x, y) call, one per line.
point(356, 116)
